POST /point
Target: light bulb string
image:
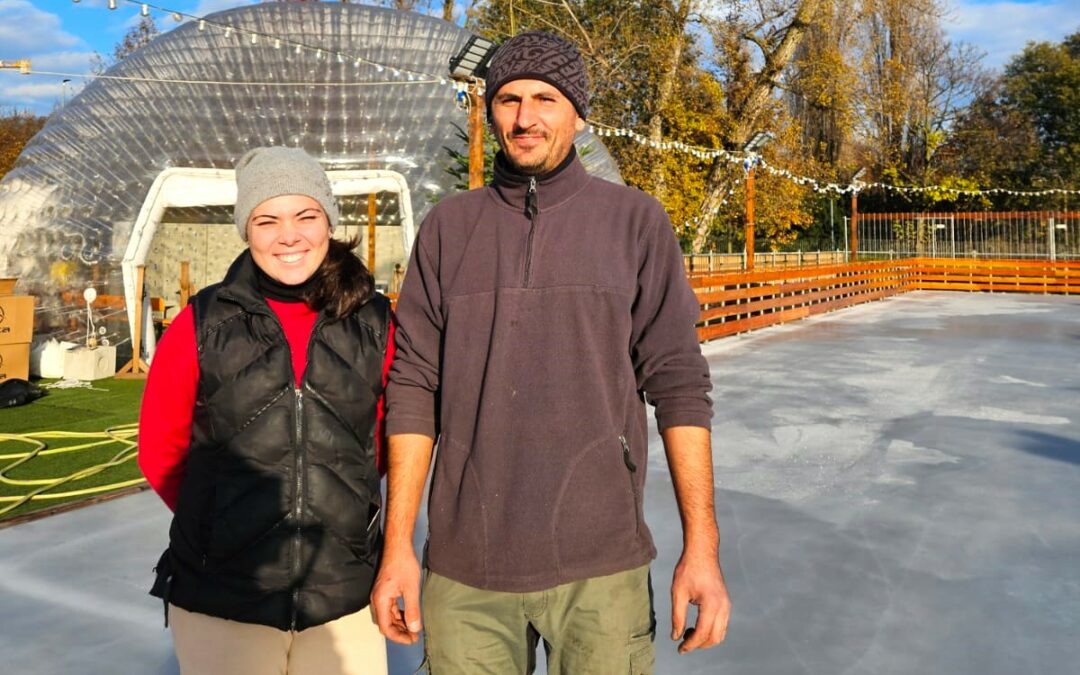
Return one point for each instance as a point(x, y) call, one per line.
point(234, 83)
point(746, 158)
point(278, 41)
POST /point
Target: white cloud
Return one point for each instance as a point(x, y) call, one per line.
point(66, 62)
point(29, 32)
point(1002, 29)
point(25, 28)
point(32, 90)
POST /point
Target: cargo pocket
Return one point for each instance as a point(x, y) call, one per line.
point(642, 654)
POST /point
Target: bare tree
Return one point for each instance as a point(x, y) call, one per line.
point(775, 28)
point(139, 35)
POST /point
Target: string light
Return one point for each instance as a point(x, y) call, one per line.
point(227, 83)
point(701, 153)
point(300, 47)
point(599, 129)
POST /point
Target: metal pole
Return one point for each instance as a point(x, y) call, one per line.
point(750, 217)
point(476, 139)
point(372, 212)
point(1051, 243)
point(854, 225)
point(832, 226)
point(847, 251)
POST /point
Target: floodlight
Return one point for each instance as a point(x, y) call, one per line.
point(758, 141)
point(472, 60)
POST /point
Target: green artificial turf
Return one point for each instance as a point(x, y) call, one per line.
point(109, 404)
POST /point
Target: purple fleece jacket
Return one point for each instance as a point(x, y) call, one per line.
point(525, 345)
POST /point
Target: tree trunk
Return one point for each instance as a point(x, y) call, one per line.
point(681, 13)
point(747, 113)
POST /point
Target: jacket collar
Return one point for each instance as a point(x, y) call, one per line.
point(241, 285)
point(553, 188)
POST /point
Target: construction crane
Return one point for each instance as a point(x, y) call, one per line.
point(22, 64)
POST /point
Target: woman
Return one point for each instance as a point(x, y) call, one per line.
point(258, 429)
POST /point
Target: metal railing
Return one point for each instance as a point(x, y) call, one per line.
point(1045, 235)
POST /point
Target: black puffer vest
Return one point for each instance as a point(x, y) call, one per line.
point(277, 518)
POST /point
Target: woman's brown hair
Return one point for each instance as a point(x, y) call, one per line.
point(342, 284)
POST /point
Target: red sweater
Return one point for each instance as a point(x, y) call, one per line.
point(169, 398)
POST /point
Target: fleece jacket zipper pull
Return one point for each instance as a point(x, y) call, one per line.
point(532, 208)
point(531, 205)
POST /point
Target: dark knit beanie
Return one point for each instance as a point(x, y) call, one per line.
point(536, 55)
point(264, 173)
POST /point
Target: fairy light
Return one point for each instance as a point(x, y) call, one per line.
point(254, 36)
point(706, 154)
point(601, 130)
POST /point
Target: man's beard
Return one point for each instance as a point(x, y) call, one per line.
point(535, 167)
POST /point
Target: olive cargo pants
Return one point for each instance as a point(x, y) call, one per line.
point(598, 626)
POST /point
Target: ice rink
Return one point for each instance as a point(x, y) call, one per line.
point(897, 486)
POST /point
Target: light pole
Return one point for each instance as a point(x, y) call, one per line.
point(63, 91)
point(750, 163)
point(470, 65)
point(855, 214)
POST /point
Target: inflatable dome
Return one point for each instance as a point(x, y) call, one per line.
point(137, 169)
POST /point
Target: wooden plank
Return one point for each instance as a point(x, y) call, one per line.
point(728, 279)
point(741, 301)
point(728, 295)
point(791, 301)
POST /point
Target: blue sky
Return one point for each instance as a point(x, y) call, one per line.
point(60, 36)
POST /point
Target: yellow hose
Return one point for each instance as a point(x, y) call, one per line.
point(123, 435)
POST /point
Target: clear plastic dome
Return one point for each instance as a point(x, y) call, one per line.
point(137, 168)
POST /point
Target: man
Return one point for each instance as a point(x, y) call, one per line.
point(535, 315)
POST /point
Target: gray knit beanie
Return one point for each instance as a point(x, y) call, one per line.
point(536, 55)
point(265, 173)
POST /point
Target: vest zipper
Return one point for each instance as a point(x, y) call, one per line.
point(532, 209)
point(298, 506)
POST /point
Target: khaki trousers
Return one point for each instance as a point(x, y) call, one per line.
point(598, 626)
point(207, 645)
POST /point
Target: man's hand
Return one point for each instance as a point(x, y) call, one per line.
point(699, 581)
point(399, 578)
point(399, 571)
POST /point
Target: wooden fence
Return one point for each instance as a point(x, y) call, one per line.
point(1001, 276)
point(709, 263)
point(737, 302)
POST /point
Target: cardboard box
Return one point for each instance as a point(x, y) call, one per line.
point(16, 319)
point(15, 362)
point(98, 363)
point(7, 285)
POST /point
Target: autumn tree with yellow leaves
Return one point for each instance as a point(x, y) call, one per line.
point(16, 130)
